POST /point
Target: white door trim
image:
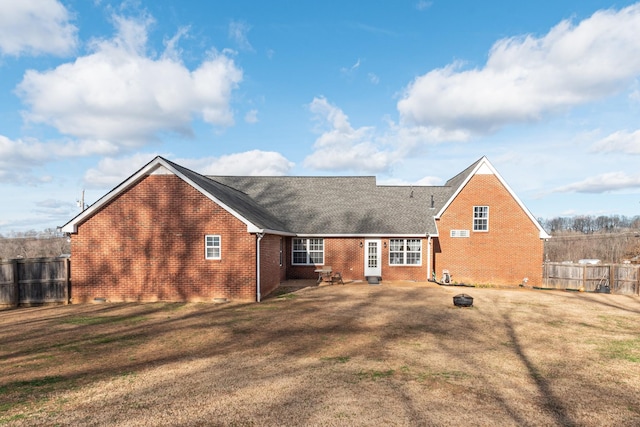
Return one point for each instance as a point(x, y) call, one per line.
point(372, 257)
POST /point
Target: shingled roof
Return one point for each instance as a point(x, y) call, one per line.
point(342, 205)
point(321, 206)
point(459, 179)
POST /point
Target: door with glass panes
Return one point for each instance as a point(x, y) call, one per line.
point(372, 255)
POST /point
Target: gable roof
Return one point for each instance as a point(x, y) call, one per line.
point(317, 206)
point(483, 166)
point(233, 201)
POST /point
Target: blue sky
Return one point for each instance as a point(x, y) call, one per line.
point(412, 92)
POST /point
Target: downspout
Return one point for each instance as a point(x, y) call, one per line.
point(260, 236)
point(429, 260)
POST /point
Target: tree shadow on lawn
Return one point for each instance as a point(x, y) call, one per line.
point(550, 401)
point(300, 340)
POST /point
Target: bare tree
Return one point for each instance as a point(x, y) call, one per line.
point(34, 245)
point(607, 247)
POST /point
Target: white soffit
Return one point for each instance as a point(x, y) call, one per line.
point(484, 170)
point(161, 170)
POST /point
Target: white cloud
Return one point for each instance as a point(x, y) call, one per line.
point(423, 5)
point(112, 171)
point(251, 116)
point(17, 152)
point(425, 181)
point(351, 69)
point(33, 150)
point(429, 181)
point(55, 208)
point(373, 78)
point(238, 32)
point(621, 141)
point(634, 92)
point(413, 137)
point(36, 27)
point(249, 163)
point(172, 49)
point(607, 182)
point(121, 95)
point(367, 149)
point(20, 157)
point(528, 77)
point(341, 147)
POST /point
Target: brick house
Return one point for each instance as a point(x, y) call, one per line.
point(168, 233)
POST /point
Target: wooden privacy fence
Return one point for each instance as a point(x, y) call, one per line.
point(618, 278)
point(34, 281)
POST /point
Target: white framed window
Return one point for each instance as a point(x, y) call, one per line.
point(405, 252)
point(481, 218)
point(281, 251)
point(307, 251)
point(212, 248)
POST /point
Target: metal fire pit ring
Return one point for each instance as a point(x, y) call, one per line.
point(463, 300)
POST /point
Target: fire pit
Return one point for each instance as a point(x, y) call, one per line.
point(463, 300)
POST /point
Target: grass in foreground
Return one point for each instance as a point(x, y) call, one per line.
point(352, 355)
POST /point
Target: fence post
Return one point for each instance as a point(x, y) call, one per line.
point(67, 279)
point(612, 278)
point(16, 283)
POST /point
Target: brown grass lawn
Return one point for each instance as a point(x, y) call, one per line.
point(389, 355)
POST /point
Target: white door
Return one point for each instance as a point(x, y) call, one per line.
point(372, 255)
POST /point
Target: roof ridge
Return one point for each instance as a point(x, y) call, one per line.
point(294, 176)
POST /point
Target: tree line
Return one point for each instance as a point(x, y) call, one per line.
point(611, 239)
point(34, 244)
point(588, 224)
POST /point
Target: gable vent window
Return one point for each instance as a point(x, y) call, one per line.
point(459, 233)
point(481, 218)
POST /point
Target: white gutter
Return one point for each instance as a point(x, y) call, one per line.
point(255, 229)
point(260, 236)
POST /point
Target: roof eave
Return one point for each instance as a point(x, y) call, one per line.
point(255, 230)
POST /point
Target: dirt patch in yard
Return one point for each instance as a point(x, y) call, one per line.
point(397, 354)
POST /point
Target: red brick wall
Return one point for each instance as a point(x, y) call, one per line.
point(148, 245)
point(271, 272)
point(346, 256)
point(510, 251)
